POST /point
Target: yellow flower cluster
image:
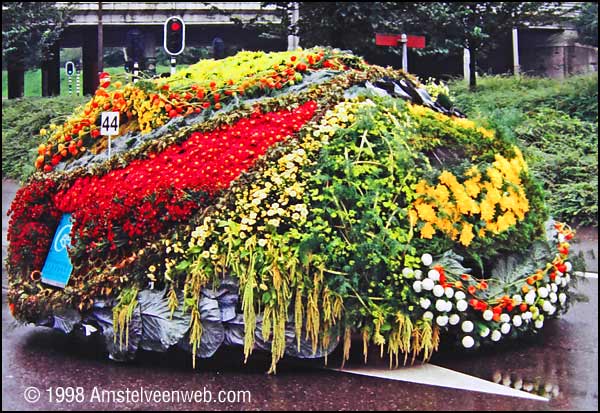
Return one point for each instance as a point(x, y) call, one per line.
point(147, 112)
point(494, 201)
point(342, 115)
point(233, 68)
point(464, 123)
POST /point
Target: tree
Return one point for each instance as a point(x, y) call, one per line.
point(587, 23)
point(353, 25)
point(477, 26)
point(345, 25)
point(449, 27)
point(29, 32)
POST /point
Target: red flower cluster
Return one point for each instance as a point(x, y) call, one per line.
point(144, 197)
point(33, 221)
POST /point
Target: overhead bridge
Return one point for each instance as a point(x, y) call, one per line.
point(144, 21)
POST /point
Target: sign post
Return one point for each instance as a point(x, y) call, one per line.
point(414, 42)
point(78, 79)
point(109, 126)
point(515, 43)
point(404, 41)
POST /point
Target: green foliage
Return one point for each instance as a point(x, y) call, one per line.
point(587, 23)
point(22, 120)
point(563, 154)
point(498, 95)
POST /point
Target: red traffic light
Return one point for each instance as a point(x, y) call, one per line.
point(174, 35)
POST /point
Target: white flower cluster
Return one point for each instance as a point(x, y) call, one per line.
point(442, 304)
point(448, 307)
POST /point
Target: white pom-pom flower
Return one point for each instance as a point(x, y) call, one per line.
point(484, 332)
point(440, 305)
point(441, 320)
point(427, 284)
point(553, 287)
point(454, 319)
point(417, 286)
point(505, 328)
point(547, 306)
point(427, 315)
point(517, 299)
point(449, 292)
point(505, 318)
point(488, 315)
point(468, 342)
point(517, 321)
point(459, 295)
point(539, 323)
point(462, 305)
point(543, 292)
point(553, 297)
point(568, 266)
point(418, 274)
point(562, 297)
point(438, 290)
point(425, 303)
point(467, 326)
point(448, 306)
point(530, 297)
point(434, 275)
point(407, 271)
point(426, 259)
point(496, 335)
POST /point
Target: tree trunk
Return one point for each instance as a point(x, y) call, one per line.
point(473, 71)
point(16, 77)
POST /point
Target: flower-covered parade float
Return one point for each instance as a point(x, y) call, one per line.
point(285, 202)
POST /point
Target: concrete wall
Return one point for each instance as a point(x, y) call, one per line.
point(555, 53)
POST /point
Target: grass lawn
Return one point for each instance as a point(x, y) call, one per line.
point(33, 80)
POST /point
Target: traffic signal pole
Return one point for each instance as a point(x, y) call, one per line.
point(174, 39)
point(173, 65)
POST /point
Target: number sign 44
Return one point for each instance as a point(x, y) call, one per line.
point(109, 123)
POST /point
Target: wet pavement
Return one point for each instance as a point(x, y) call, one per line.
point(561, 363)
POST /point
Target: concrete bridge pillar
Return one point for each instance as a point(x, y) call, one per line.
point(90, 62)
point(51, 73)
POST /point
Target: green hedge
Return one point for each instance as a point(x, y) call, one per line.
point(576, 96)
point(563, 154)
point(22, 120)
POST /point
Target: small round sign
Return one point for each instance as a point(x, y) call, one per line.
point(70, 68)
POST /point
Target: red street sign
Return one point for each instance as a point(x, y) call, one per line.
point(386, 39)
point(416, 42)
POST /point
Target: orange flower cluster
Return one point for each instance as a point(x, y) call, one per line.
point(147, 105)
